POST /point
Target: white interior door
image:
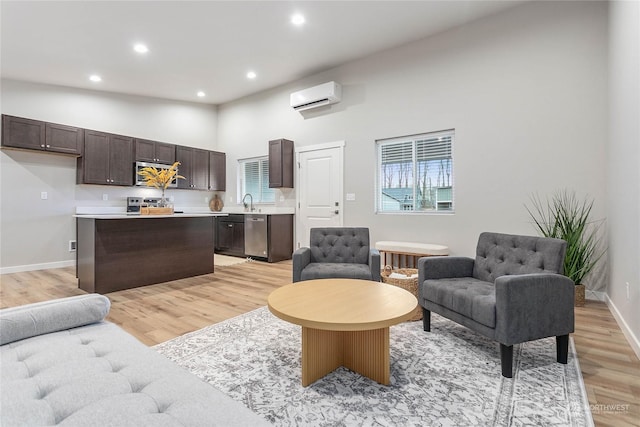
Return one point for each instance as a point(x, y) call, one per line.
point(320, 198)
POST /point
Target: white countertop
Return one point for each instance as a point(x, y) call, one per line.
point(114, 212)
point(138, 216)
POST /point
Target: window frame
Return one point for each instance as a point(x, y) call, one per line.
point(258, 199)
point(412, 143)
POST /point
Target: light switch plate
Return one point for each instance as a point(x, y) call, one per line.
point(351, 196)
point(44, 195)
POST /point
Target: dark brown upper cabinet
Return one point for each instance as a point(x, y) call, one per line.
point(18, 132)
point(154, 151)
point(281, 163)
point(194, 166)
point(107, 159)
point(217, 171)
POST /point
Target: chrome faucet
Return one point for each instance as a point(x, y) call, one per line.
point(250, 200)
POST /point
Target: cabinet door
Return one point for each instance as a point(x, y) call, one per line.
point(64, 139)
point(121, 160)
point(145, 150)
point(281, 163)
point(217, 171)
point(165, 153)
point(184, 156)
point(237, 245)
point(200, 170)
point(95, 161)
point(224, 238)
point(23, 133)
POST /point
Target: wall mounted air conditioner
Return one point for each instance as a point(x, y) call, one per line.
point(317, 96)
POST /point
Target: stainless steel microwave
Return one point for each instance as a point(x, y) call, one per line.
point(139, 180)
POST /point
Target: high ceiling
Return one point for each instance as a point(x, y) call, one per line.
point(208, 46)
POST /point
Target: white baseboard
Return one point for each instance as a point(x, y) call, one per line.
point(33, 267)
point(626, 330)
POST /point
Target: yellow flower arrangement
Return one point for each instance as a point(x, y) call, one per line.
point(160, 178)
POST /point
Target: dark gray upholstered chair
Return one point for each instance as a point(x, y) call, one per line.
point(337, 252)
point(513, 292)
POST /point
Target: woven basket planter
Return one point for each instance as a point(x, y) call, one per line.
point(580, 295)
point(408, 284)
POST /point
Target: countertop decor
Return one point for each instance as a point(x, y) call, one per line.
point(160, 179)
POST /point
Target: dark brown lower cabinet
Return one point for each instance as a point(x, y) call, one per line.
point(230, 235)
point(117, 254)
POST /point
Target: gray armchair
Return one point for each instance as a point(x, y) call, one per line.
point(513, 292)
point(337, 252)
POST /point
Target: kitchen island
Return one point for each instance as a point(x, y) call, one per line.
point(117, 252)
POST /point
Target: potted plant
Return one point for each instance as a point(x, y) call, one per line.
point(565, 217)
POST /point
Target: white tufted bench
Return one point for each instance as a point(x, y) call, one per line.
point(63, 364)
point(406, 254)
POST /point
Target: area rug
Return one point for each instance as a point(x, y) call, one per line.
point(447, 377)
point(225, 261)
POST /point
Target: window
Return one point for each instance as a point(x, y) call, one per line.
point(415, 173)
point(253, 178)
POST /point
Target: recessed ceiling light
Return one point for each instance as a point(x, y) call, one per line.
point(201, 94)
point(251, 75)
point(95, 78)
point(140, 48)
point(297, 19)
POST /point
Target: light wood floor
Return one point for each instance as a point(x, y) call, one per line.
point(160, 312)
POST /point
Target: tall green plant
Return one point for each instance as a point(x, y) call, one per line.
point(565, 217)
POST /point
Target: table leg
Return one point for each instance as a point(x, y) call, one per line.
point(367, 353)
point(364, 352)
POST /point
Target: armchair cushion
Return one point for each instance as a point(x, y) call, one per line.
point(501, 254)
point(321, 270)
point(467, 296)
point(340, 245)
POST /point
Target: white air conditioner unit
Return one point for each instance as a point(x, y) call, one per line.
point(317, 96)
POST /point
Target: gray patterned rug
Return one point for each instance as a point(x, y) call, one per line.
point(448, 377)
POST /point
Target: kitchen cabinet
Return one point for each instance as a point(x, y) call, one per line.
point(107, 159)
point(194, 166)
point(281, 163)
point(154, 151)
point(230, 235)
point(279, 237)
point(217, 171)
point(18, 132)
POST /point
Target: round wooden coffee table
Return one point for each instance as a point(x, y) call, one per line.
point(345, 322)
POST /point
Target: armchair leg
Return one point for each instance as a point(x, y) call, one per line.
point(562, 348)
point(506, 360)
point(426, 320)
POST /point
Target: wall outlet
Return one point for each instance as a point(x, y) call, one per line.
point(44, 195)
point(628, 296)
point(72, 246)
point(105, 197)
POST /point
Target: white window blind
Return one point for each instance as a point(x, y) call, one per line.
point(415, 173)
point(254, 179)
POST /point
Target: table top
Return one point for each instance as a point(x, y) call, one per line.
point(342, 304)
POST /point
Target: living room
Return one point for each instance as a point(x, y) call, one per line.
point(540, 95)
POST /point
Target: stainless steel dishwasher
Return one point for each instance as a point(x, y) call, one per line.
point(255, 235)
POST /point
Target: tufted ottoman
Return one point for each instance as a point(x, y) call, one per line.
point(60, 363)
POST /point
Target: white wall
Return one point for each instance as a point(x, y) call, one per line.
point(525, 90)
point(35, 233)
point(623, 185)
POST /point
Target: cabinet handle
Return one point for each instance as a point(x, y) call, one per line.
point(42, 146)
point(48, 146)
point(230, 225)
